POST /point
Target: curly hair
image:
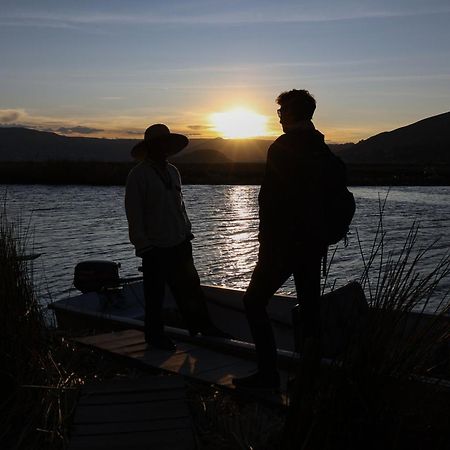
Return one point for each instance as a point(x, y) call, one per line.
point(299, 102)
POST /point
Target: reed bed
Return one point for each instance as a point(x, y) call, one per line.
point(40, 371)
point(373, 396)
point(390, 387)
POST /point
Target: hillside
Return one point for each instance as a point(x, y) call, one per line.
point(426, 142)
point(423, 142)
point(201, 156)
point(23, 144)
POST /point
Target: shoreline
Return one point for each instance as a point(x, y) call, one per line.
point(115, 173)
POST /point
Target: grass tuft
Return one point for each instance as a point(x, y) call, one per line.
point(390, 388)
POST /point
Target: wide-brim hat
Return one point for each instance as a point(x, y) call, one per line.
point(158, 138)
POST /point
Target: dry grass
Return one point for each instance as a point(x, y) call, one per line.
point(370, 399)
point(40, 371)
point(230, 421)
point(375, 395)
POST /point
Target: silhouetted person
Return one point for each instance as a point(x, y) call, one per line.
point(160, 230)
point(290, 238)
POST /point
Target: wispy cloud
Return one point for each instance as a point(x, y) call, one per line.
point(78, 130)
point(294, 15)
point(9, 116)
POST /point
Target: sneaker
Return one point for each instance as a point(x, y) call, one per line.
point(162, 343)
point(258, 380)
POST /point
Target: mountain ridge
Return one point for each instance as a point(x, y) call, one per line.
point(426, 141)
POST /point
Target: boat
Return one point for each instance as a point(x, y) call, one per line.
point(120, 305)
point(108, 302)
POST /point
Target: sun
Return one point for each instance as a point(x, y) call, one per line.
point(239, 123)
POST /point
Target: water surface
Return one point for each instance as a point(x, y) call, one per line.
point(70, 224)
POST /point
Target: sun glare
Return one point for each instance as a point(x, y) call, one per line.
point(239, 123)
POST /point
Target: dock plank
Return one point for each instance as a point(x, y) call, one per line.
point(126, 397)
point(160, 440)
point(209, 365)
point(148, 412)
point(130, 412)
point(88, 429)
point(123, 336)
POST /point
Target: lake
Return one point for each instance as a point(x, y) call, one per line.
point(69, 224)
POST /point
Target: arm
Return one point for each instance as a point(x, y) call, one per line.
point(134, 208)
point(176, 177)
point(268, 208)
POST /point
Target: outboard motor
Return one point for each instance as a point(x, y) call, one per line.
point(96, 276)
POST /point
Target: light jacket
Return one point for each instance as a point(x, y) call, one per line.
point(155, 208)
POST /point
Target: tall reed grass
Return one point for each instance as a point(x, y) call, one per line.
point(36, 388)
point(41, 371)
point(389, 389)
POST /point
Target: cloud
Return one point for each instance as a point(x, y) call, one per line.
point(78, 130)
point(267, 14)
point(131, 132)
point(9, 116)
point(198, 130)
point(199, 127)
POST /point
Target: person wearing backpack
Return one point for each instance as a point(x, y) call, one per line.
point(302, 178)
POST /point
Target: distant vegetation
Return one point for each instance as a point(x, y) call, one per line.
point(115, 173)
point(417, 154)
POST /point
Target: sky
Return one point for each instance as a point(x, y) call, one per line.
point(110, 68)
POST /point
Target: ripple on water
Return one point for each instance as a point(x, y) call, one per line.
point(75, 223)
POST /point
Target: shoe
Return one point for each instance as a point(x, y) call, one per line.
point(162, 342)
point(258, 380)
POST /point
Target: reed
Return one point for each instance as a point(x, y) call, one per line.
point(387, 389)
point(228, 421)
point(36, 389)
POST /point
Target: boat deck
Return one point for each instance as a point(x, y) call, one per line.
point(147, 412)
point(210, 365)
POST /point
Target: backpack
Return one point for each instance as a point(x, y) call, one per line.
point(339, 202)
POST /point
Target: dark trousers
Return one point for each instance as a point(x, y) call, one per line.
point(173, 266)
point(273, 268)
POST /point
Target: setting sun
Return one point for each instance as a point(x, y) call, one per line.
point(239, 123)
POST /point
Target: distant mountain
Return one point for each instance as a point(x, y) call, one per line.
point(23, 144)
point(423, 142)
point(203, 155)
point(236, 150)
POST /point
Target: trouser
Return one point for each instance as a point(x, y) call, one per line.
point(273, 268)
point(173, 266)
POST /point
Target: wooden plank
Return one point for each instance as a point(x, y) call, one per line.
point(182, 347)
point(158, 440)
point(131, 412)
point(131, 397)
point(124, 347)
point(205, 364)
point(97, 339)
point(147, 383)
point(88, 429)
point(143, 413)
point(132, 345)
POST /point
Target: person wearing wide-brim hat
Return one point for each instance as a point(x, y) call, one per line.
point(160, 230)
point(159, 142)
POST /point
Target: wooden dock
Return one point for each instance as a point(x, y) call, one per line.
point(191, 360)
point(150, 412)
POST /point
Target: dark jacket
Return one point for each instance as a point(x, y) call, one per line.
point(292, 191)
